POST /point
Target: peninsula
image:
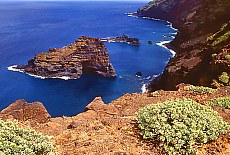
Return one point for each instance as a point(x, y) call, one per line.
point(85, 56)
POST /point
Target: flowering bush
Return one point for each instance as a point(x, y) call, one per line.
point(199, 89)
point(220, 102)
point(180, 125)
point(17, 141)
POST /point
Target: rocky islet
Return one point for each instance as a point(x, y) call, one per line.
point(123, 39)
point(86, 55)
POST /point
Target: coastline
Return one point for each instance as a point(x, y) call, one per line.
point(163, 44)
point(169, 24)
point(13, 68)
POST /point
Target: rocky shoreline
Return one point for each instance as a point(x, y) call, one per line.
point(86, 55)
point(203, 32)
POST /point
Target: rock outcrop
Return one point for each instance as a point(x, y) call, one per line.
point(201, 45)
point(34, 112)
point(123, 39)
point(112, 128)
point(85, 56)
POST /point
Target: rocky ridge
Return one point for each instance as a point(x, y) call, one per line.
point(110, 128)
point(201, 45)
point(86, 55)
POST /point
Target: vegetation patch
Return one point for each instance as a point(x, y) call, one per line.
point(180, 125)
point(224, 78)
point(199, 89)
point(221, 39)
point(220, 102)
point(17, 141)
point(227, 57)
point(222, 35)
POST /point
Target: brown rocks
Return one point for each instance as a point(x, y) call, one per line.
point(23, 111)
point(85, 56)
point(98, 105)
point(112, 128)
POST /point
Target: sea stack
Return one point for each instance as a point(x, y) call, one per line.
point(86, 55)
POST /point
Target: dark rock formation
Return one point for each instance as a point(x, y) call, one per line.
point(85, 56)
point(21, 110)
point(123, 39)
point(150, 42)
point(203, 31)
point(139, 74)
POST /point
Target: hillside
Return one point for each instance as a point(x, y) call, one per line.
point(201, 45)
point(112, 128)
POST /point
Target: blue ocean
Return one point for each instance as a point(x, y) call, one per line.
point(27, 28)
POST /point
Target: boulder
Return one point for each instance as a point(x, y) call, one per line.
point(23, 111)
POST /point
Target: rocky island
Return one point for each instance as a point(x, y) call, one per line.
point(85, 56)
point(123, 39)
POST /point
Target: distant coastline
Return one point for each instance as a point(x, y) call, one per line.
point(164, 42)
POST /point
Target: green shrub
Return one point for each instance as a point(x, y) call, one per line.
point(217, 84)
point(224, 77)
point(220, 102)
point(17, 141)
point(180, 125)
point(221, 39)
point(200, 89)
point(213, 55)
point(227, 57)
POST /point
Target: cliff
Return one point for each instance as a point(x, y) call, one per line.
point(110, 128)
point(201, 45)
point(85, 56)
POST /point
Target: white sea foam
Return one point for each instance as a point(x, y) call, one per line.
point(156, 19)
point(148, 78)
point(171, 26)
point(162, 44)
point(14, 69)
point(130, 15)
point(144, 88)
point(64, 77)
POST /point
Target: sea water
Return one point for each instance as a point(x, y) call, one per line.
point(28, 28)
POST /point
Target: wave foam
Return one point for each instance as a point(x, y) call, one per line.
point(14, 69)
point(144, 89)
point(155, 19)
point(162, 44)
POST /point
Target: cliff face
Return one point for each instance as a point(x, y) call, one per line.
point(201, 45)
point(85, 55)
